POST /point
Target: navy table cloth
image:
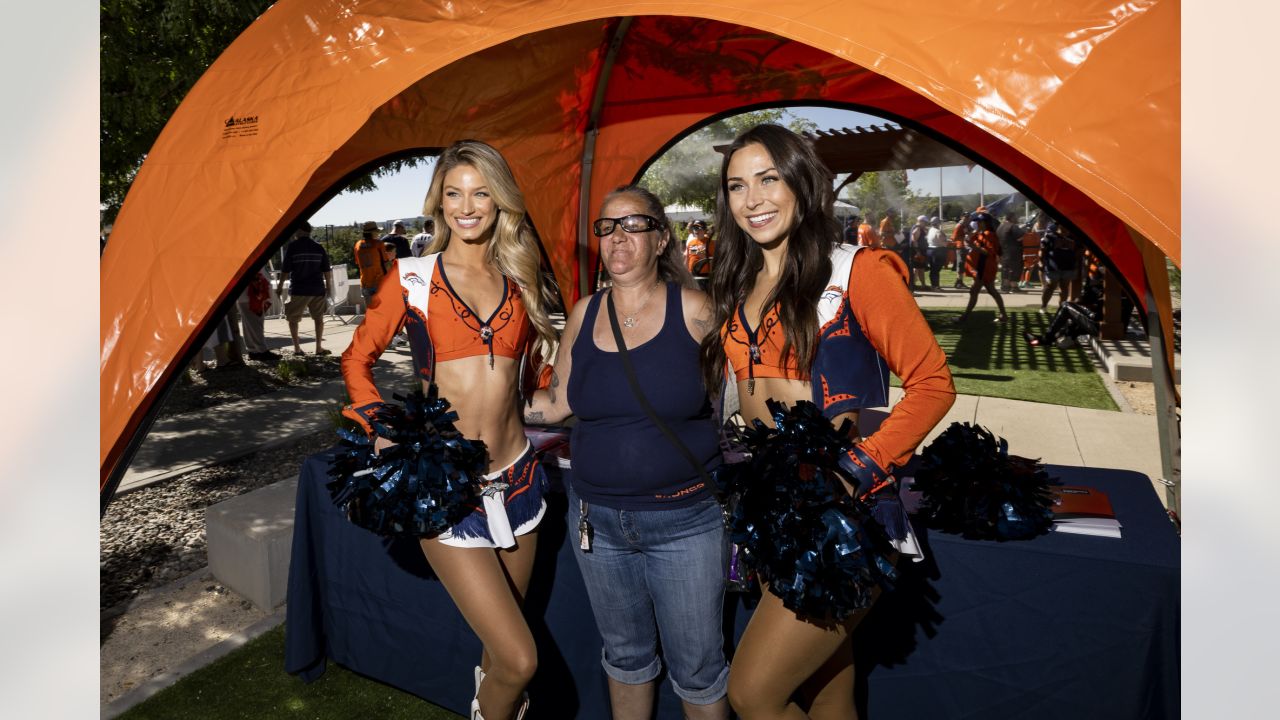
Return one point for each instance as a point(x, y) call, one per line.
point(1062, 626)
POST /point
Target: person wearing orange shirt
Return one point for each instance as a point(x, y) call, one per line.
point(958, 236)
point(696, 249)
point(887, 231)
point(867, 236)
point(371, 258)
point(982, 262)
point(804, 319)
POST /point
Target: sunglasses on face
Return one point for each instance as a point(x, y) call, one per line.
point(630, 223)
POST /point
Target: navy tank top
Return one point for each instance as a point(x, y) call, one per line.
point(621, 460)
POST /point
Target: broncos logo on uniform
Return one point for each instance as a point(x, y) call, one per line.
point(412, 277)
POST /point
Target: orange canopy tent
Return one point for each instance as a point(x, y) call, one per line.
point(1075, 102)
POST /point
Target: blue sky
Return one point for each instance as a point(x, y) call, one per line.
point(401, 195)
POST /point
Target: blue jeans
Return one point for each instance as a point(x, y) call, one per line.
point(658, 576)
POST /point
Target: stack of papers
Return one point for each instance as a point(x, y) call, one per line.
point(1083, 511)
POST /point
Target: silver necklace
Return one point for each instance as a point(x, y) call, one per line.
point(628, 319)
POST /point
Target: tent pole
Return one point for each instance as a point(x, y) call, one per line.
point(940, 193)
point(1166, 412)
point(585, 285)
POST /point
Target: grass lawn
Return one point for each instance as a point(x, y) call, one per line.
point(993, 360)
point(251, 684)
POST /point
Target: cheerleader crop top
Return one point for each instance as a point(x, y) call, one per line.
point(757, 353)
point(416, 296)
point(456, 331)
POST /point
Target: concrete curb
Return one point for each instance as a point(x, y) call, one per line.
point(117, 707)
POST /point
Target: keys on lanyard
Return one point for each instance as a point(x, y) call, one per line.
point(585, 530)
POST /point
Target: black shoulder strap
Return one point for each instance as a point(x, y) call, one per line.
point(644, 403)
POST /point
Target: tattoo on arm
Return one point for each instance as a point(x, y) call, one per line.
point(555, 383)
point(534, 416)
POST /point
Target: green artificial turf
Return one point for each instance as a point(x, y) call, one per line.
point(993, 360)
point(251, 684)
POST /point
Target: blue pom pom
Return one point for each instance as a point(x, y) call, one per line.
point(421, 486)
point(970, 485)
point(812, 544)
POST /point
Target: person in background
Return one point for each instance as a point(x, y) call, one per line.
point(225, 342)
point(1009, 236)
point(1031, 252)
point(888, 233)
point(918, 256)
point(850, 233)
point(867, 236)
point(1078, 318)
point(486, 319)
point(937, 243)
point(959, 242)
point(372, 259)
point(1059, 264)
point(656, 562)
point(695, 249)
point(778, 260)
point(306, 268)
point(253, 304)
point(420, 241)
point(397, 242)
point(982, 262)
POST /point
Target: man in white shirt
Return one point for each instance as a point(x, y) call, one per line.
point(937, 252)
point(420, 241)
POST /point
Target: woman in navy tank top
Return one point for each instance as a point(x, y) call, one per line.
point(652, 545)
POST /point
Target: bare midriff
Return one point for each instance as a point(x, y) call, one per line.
point(487, 403)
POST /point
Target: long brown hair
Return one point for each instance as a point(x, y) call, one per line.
point(513, 249)
point(806, 269)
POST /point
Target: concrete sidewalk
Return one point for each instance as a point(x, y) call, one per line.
point(1055, 434)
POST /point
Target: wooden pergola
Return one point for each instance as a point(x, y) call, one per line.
point(880, 147)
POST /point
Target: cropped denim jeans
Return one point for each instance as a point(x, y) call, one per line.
point(656, 577)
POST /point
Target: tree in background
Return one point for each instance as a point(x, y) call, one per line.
point(152, 53)
point(876, 192)
point(687, 173)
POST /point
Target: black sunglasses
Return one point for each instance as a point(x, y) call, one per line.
point(630, 223)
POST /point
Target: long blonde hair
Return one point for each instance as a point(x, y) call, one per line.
point(512, 249)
